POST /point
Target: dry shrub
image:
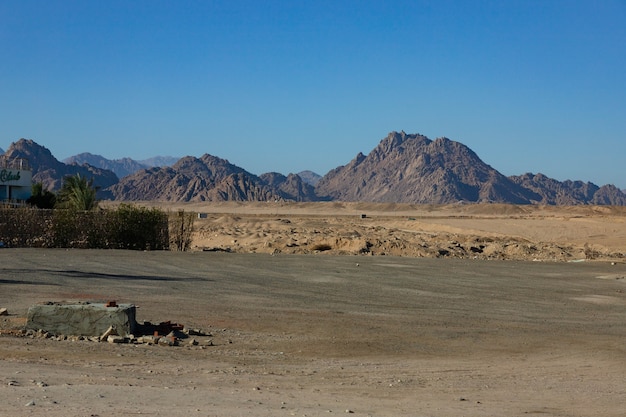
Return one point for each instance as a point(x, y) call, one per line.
point(24, 227)
point(127, 227)
point(180, 230)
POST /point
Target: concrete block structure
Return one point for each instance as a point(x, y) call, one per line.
point(82, 319)
point(15, 180)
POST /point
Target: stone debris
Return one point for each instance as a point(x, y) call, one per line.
point(171, 339)
point(168, 341)
point(117, 339)
point(4, 311)
point(196, 332)
point(109, 332)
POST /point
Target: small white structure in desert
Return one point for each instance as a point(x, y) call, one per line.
point(16, 180)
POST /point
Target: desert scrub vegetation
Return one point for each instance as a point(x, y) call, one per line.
point(72, 218)
point(181, 229)
point(124, 227)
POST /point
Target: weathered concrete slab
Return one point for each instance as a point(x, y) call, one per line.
point(84, 319)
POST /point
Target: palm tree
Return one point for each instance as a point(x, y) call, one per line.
point(77, 193)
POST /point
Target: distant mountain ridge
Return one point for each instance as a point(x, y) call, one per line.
point(550, 191)
point(159, 161)
point(310, 177)
point(121, 167)
point(209, 178)
point(50, 172)
point(403, 168)
point(411, 168)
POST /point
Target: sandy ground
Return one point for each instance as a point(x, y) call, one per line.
point(310, 333)
point(487, 231)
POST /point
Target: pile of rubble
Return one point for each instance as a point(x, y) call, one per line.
point(168, 334)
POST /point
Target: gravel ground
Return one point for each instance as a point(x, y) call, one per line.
point(310, 335)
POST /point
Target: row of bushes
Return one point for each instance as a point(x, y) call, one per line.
point(124, 227)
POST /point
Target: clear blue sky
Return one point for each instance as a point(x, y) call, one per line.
point(530, 86)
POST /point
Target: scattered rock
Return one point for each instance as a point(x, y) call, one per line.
point(167, 341)
point(109, 332)
point(116, 339)
point(4, 312)
point(148, 339)
point(195, 332)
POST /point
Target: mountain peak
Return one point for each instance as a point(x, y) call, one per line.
point(411, 168)
point(50, 171)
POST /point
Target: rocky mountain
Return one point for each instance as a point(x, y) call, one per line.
point(1, 151)
point(208, 178)
point(414, 169)
point(403, 168)
point(121, 167)
point(159, 161)
point(553, 192)
point(50, 172)
point(310, 177)
point(292, 187)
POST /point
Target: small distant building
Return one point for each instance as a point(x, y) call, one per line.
point(16, 180)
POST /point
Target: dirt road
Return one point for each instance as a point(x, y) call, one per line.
point(313, 335)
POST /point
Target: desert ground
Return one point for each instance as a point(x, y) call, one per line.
point(464, 231)
point(314, 309)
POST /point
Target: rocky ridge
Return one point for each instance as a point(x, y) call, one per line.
point(50, 172)
point(121, 167)
point(310, 177)
point(159, 161)
point(403, 168)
